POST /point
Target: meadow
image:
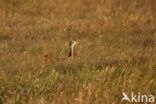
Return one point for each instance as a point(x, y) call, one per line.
point(116, 51)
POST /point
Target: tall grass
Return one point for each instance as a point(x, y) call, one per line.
point(116, 50)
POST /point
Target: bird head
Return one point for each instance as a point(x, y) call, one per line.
point(73, 43)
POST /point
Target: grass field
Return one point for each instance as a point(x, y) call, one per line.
point(116, 51)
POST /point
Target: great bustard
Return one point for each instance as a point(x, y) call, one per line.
point(71, 47)
point(48, 59)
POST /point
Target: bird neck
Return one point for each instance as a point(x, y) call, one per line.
point(71, 49)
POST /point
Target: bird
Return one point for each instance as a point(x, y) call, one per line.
point(72, 44)
point(48, 59)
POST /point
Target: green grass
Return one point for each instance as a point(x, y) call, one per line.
point(116, 51)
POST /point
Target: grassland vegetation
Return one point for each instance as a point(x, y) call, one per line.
point(116, 50)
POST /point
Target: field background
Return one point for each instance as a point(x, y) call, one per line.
point(116, 50)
